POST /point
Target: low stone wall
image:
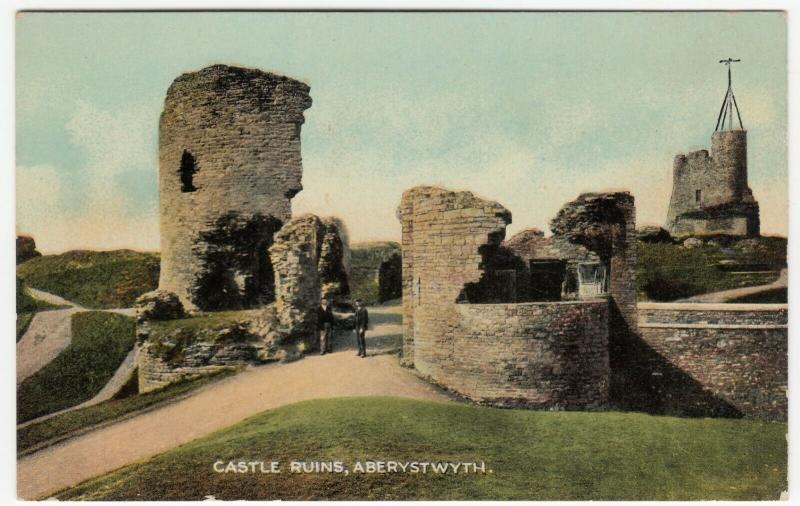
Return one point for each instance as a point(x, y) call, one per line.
point(178, 352)
point(733, 357)
point(538, 354)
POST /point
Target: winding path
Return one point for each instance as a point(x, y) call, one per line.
point(221, 404)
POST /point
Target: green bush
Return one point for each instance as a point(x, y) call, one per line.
point(527, 454)
point(94, 279)
point(100, 342)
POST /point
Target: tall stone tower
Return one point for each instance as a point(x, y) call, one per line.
point(229, 165)
point(710, 195)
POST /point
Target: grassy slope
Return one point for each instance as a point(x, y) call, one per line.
point(100, 342)
point(67, 423)
point(365, 260)
point(532, 455)
point(668, 271)
point(94, 279)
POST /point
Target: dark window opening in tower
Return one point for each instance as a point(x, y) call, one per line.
point(697, 196)
point(187, 171)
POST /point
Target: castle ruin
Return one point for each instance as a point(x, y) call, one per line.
point(475, 318)
point(229, 165)
point(710, 195)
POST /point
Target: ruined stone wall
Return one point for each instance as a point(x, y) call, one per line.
point(715, 359)
point(178, 353)
point(333, 264)
point(726, 204)
point(443, 233)
point(537, 354)
point(605, 224)
point(295, 257)
point(229, 142)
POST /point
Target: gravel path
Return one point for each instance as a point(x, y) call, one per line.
point(48, 334)
point(221, 404)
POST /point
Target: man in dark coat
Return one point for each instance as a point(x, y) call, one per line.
point(325, 326)
point(362, 322)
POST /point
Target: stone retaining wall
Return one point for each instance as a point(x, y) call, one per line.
point(733, 357)
point(539, 354)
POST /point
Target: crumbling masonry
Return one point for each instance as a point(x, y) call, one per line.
point(229, 161)
point(229, 165)
point(710, 195)
point(465, 329)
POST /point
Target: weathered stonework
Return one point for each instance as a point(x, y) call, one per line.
point(333, 262)
point(229, 143)
point(534, 353)
point(188, 352)
point(710, 195)
point(158, 305)
point(295, 257)
point(605, 223)
point(715, 359)
point(26, 248)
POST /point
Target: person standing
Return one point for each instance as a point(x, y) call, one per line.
point(362, 322)
point(325, 326)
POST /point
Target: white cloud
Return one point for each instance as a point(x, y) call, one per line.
point(113, 143)
point(516, 176)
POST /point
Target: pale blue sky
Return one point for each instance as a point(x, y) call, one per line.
point(527, 109)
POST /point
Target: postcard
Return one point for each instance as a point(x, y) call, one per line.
point(399, 255)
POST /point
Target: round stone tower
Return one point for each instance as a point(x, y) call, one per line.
point(229, 165)
point(729, 154)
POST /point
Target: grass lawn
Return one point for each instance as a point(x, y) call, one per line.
point(58, 427)
point(100, 342)
point(94, 279)
point(531, 455)
point(666, 272)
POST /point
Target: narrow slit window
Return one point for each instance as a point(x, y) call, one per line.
point(697, 196)
point(187, 171)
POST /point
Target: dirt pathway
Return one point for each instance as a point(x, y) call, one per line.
point(48, 334)
point(735, 293)
point(339, 374)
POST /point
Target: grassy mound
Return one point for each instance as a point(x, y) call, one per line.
point(531, 455)
point(62, 426)
point(94, 279)
point(666, 272)
point(100, 342)
point(365, 259)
